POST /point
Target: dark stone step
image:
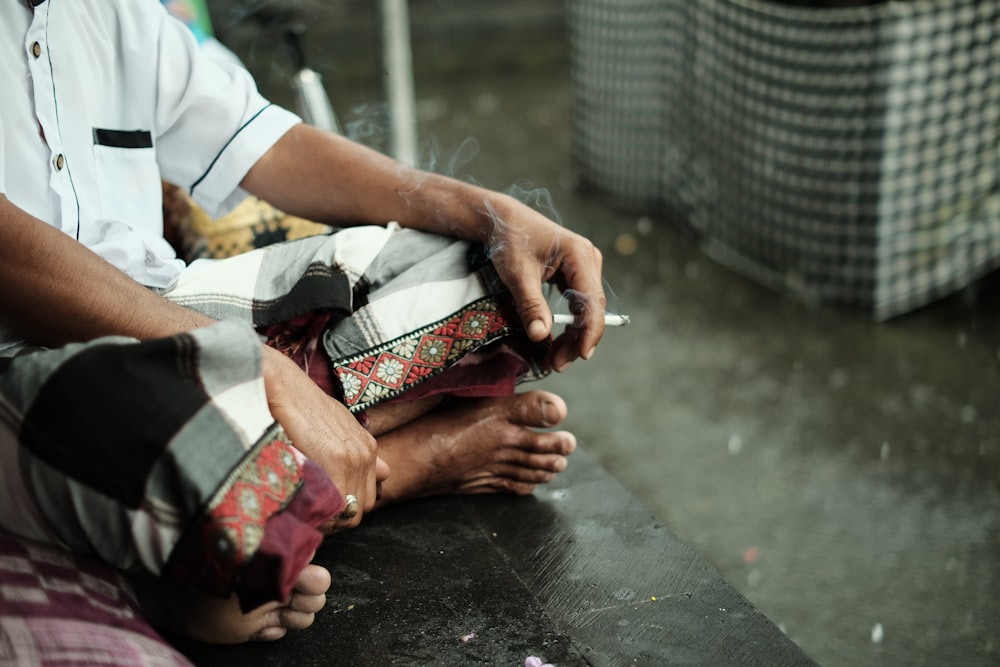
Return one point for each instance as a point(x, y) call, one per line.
point(578, 574)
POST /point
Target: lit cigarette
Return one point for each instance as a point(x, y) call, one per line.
point(609, 320)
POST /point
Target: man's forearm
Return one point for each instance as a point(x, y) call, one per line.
point(55, 290)
point(329, 178)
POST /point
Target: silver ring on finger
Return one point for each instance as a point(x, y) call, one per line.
point(351, 507)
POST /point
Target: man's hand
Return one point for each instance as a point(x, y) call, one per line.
point(329, 178)
point(528, 250)
point(325, 431)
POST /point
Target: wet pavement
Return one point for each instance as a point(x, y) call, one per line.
point(841, 474)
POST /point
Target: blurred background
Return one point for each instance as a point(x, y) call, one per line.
point(797, 203)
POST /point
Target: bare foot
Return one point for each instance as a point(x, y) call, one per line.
point(485, 445)
point(220, 621)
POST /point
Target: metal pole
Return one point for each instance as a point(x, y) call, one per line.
point(397, 65)
point(311, 99)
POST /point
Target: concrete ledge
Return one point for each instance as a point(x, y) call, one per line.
point(569, 575)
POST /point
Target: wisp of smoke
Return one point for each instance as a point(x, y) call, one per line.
point(572, 302)
point(465, 154)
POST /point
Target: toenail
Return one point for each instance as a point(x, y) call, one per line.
point(550, 413)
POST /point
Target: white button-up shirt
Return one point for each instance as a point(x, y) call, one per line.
point(101, 99)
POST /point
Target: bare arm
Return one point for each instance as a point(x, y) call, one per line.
point(55, 291)
point(326, 177)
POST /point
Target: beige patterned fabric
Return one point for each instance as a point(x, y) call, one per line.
point(253, 224)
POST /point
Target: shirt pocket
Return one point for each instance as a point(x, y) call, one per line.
point(128, 178)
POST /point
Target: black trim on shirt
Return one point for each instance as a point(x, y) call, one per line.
point(216, 159)
point(123, 138)
point(55, 101)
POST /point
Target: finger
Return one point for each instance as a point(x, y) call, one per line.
point(359, 465)
point(382, 469)
point(382, 473)
point(341, 521)
point(581, 271)
point(565, 349)
point(525, 285)
point(371, 487)
point(346, 524)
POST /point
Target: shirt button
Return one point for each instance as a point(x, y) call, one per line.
point(36, 49)
point(59, 162)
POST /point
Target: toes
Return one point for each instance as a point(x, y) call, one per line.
point(522, 475)
point(277, 623)
point(561, 443)
point(501, 485)
point(309, 604)
point(313, 580)
point(269, 634)
point(295, 620)
point(271, 627)
point(518, 488)
point(550, 463)
point(538, 408)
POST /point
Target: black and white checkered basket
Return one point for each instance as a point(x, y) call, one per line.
point(848, 154)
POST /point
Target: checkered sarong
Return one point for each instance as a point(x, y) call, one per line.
point(405, 305)
point(164, 453)
point(58, 608)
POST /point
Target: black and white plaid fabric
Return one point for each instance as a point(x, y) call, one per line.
point(111, 448)
point(407, 305)
point(164, 452)
point(849, 154)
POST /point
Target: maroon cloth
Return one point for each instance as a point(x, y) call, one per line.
point(290, 539)
point(491, 371)
point(299, 339)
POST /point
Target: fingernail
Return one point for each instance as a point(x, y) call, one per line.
point(560, 366)
point(590, 353)
point(536, 330)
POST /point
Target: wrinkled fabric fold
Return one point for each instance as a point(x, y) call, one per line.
point(163, 453)
point(175, 466)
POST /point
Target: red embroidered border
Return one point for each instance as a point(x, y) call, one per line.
point(211, 553)
point(393, 368)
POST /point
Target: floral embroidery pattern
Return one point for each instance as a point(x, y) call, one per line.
point(433, 350)
point(390, 371)
point(230, 532)
point(351, 385)
point(387, 371)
